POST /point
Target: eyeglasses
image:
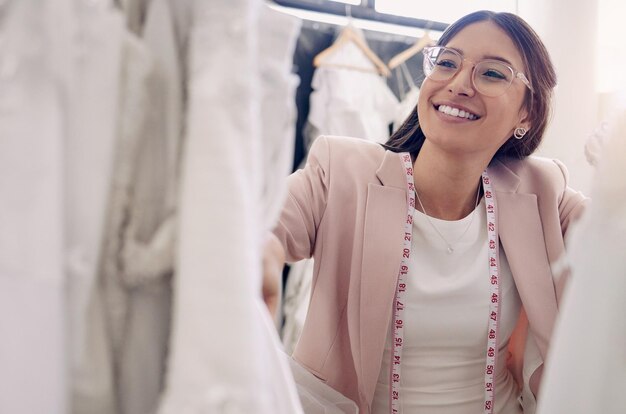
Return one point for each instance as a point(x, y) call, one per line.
point(489, 77)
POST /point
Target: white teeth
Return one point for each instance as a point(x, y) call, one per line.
point(448, 110)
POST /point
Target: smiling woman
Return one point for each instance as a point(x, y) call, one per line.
point(432, 289)
point(523, 43)
point(498, 105)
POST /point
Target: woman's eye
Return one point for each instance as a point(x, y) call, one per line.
point(448, 64)
point(493, 74)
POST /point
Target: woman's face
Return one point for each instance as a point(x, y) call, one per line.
point(496, 117)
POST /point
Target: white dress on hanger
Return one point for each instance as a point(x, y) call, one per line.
point(350, 102)
point(33, 321)
point(277, 37)
point(344, 102)
point(93, 116)
point(586, 372)
point(135, 13)
point(128, 321)
point(148, 244)
point(409, 99)
point(136, 83)
point(224, 352)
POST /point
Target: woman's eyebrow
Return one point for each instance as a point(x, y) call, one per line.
point(491, 57)
point(500, 58)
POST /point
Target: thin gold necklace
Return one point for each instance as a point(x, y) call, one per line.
point(450, 248)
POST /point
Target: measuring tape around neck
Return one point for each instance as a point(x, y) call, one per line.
point(395, 374)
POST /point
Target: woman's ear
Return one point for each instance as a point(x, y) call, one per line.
point(524, 120)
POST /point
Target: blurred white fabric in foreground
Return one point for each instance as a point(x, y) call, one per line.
point(224, 355)
point(317, 397)
point(586, 372)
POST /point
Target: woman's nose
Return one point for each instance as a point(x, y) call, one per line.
point(461, 83)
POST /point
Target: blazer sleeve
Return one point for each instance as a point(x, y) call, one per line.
point(306, 202)
point(572, 203)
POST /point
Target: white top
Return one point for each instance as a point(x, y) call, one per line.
point(446, 318)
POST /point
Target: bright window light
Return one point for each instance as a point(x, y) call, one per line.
point(354, 2)
point(610, 55)
point(446, 12)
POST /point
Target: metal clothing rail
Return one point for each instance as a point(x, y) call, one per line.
point(367, 12)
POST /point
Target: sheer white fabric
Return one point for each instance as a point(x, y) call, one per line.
point(93, 118)
point(223, 356)
point(110, 301)
point(405, 107)
point(317, 397)
point(586, 371)
point(276, 46)
point(148, 235)
point(296, 302)
point(349, 102)
point(408, 98)
point(126, 330)
point(32, 280)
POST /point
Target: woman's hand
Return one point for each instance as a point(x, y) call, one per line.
point(273, 263)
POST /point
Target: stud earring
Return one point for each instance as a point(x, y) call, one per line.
point(519, 132)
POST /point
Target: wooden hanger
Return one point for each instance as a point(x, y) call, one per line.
point(405, 55)
point(348, 34)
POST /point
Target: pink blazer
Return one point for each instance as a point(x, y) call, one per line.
point(347, 207)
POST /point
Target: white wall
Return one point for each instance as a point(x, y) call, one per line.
point(569, 30)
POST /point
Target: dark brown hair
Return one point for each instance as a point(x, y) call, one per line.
point(538, 68)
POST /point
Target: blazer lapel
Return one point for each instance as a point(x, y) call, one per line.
point(385, 215)
point(521, 235)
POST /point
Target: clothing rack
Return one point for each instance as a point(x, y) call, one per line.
point(365, 12)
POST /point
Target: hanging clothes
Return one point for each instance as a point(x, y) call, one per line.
point(586, 372)
point(148, 245)
point(135, 86)
point(276, 47)
point(33, 324)
point(408, 101)
point(223, 355)
point(182, 17)
point(135, 13)
point(129, 312)
point(277, 38)
point(296, 302)
point(350, 102)
point(93, 108)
